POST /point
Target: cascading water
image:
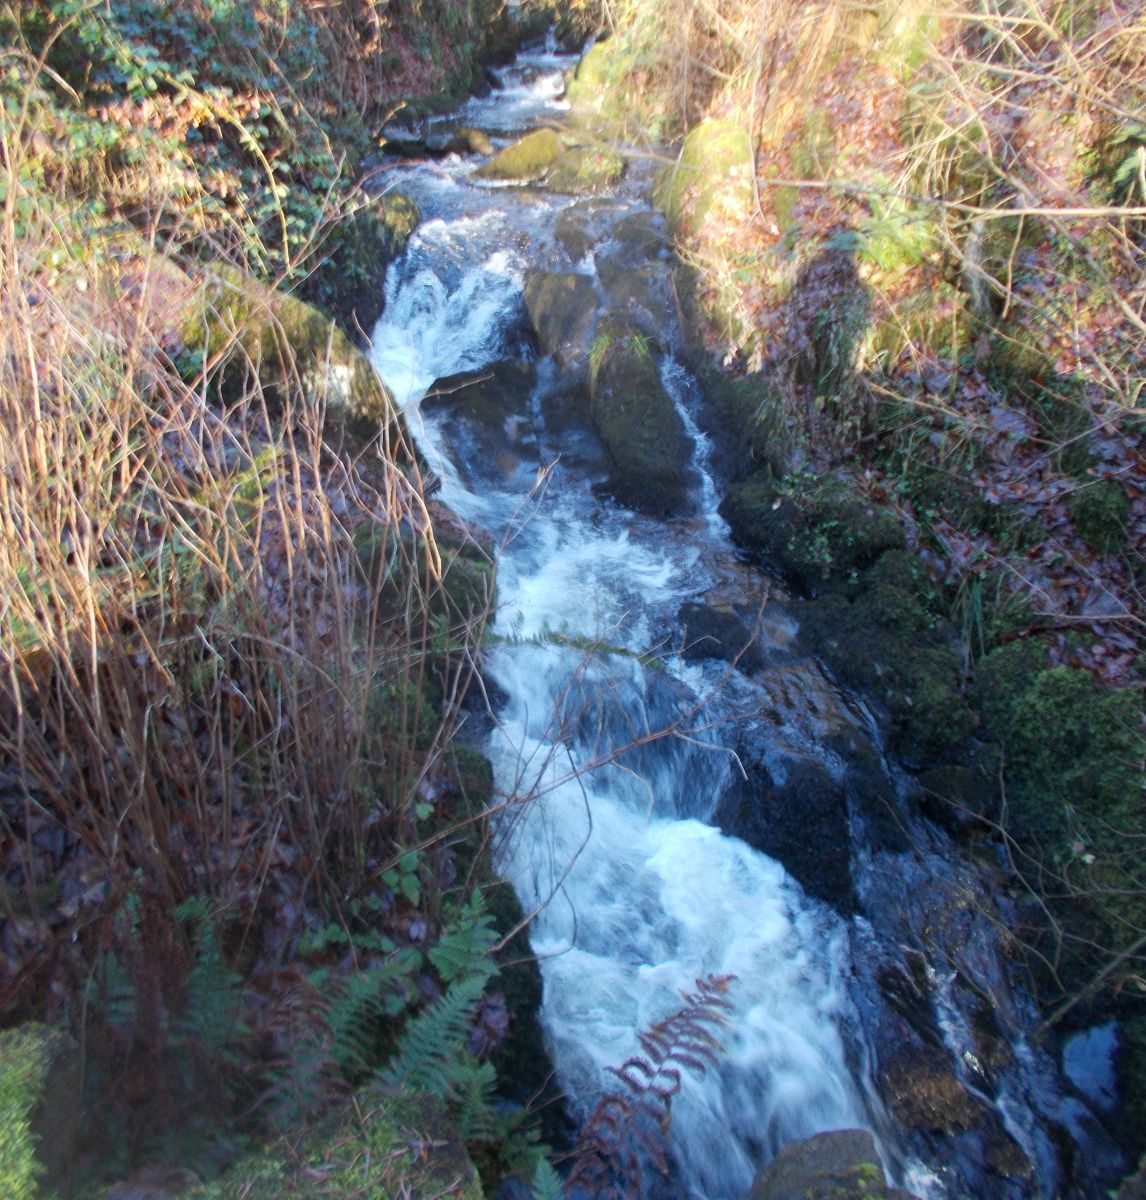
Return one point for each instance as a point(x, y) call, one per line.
point(618, 747)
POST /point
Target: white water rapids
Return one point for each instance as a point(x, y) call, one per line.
point(614, 750)
point(635, 898)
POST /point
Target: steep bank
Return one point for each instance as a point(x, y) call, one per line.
point(918, 257)
point(242, 859)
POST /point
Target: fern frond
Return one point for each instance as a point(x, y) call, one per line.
point(547, 1183)
point(465, 942)
point(629, 1128)
point(213, 992)
point(365, 1003)
point(433, 1041)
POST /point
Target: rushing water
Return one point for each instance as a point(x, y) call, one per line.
point(620, 766)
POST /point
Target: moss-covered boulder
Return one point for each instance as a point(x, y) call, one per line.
point(886, 643)
point(637, 421)
point(642, 292)
point(528, 160)
point(817, 530)
point(583, 170)
point(384, 1144)
point(348, 284)
point(840, 1165)
point(1074, 753)
point(712, 176)
point(240, 330)
point(562, 310)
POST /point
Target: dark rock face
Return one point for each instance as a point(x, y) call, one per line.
point(711, 633)
point(638, 422)
point(796, 813)
point(840, 1165)
point(562, 310)
point(486, 417)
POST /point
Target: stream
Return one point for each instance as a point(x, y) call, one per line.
point(634, 757)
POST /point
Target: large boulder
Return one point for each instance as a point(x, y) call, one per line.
point(528, 160)
point(240, 330)
point(583, 170)
point(711, 177)
point(774, 810)
point(562, 310)
point(840, 1165)
point(815, 529)
point(637, 421)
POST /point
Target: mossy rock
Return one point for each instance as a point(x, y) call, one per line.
point(816, 530)
point(348, 284)
point(1074, 754)
point(562, 310)
point(748, 420)
point(888, 644)
point(1100, 511)
point(842, 1164)
point(528, 160)
point(594, 91)
point(637, 421)
point(384, 1144)
point(579, 228)
point(39, 1115)
point(584, 170)
point(712, 176)
point(241, 329)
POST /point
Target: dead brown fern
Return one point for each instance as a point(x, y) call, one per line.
point(629, 1126)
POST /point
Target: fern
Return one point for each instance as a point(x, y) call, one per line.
point(363, 1006)
point(629, 1127)
point(465, 944)
point(547, 1183)
point(213, 992)
point(429, 1055)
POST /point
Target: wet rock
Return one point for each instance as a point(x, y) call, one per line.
point(637, 421)
point(642, 293)
point(562, 310)
point(527, 160)
point(486, 418)
point(795, 812)
point(840, 1165)
point(580, 227)
point(923, 1093)
point(964, 800)
point(1006, 1157)
point(712, 633)
point(461, 139)
point(640, 237)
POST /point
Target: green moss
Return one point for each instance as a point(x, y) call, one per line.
point(713, 172)
point(380, 1146)
point(817, 530)
point(750, 416)
point(1074, 763)
point(889, 644)
point(238, 326)
point(25, 1057)
point(585, 169)
point(1100, 512)
point(527, 160)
